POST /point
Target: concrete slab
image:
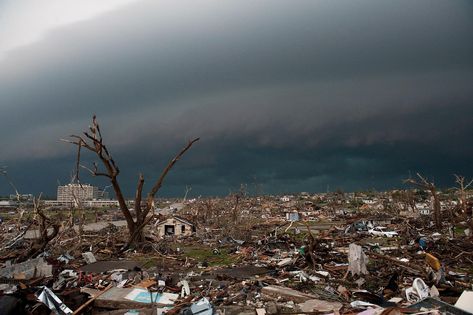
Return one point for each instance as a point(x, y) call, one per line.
point(316, 305)
point(37, 267)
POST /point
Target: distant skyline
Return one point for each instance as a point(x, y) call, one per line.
point(285, 96)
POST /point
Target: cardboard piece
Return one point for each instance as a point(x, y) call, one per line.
point(465, 301)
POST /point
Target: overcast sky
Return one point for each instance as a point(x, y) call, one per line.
point(285, 95)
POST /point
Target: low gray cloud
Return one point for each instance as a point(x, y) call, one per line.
point(283, 82)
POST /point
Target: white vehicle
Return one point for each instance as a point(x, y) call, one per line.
point(381, 231)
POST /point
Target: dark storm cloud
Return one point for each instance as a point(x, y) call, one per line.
point(293, 95)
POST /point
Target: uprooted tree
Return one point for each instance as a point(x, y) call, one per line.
point(92, 140)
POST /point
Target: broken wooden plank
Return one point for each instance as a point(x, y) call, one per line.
point(274, 291)
point(83, 306)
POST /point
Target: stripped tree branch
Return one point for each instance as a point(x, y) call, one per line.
point(92, 140)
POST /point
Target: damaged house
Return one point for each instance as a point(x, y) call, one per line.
point(175, 226)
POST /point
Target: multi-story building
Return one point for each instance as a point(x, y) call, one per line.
point(77, 193)
point(22, 197)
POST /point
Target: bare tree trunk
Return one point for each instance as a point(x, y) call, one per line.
point(235, 208)
point(44, 223)
point(424, 184)
point(437, 213)
point(462, 187)
point(93, 141)
point(311, 246)
point(142, 218)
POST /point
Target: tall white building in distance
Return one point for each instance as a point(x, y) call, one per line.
point(77, 192)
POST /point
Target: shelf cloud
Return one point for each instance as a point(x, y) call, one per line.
point(288, 96)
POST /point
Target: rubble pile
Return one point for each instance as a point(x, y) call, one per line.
point(337, 264)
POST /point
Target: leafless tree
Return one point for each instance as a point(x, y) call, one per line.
point(3, 172)
point(403, 200)
point(21, 208)
point(462, 187)
point(44, 224)
point(39, 217)
point(188, 189)
point(312, 244)
point(45, 235)
point(92, 140)
point(423, 183)
point(235, 214)
point(77, 204)
point(238, 196)
point(206, 210)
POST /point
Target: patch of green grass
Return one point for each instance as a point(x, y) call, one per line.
point(297, 237)
point(7, 216)
point(310, 223)
point(202, 254)
point(148, 262)
point(460, 230)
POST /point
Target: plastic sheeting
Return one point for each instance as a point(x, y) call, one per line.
point(51, 300)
